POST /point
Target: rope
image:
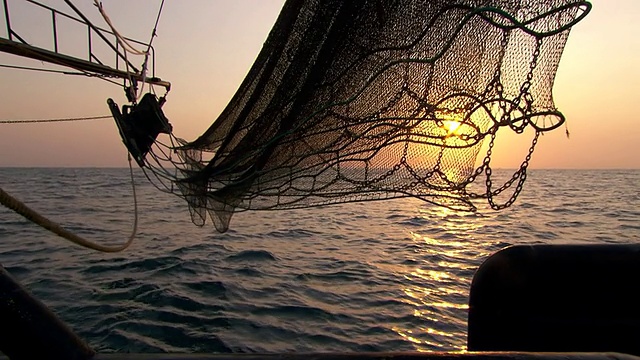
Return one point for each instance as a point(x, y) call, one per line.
point(121, 39)
point(33, 216)
point(126, 45)
point(54, 120)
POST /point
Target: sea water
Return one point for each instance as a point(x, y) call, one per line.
point(373, 276)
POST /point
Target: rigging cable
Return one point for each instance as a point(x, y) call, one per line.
point(35, 217)
point(155, 27)
point(146, 56)
point(41, 69)
point(55, 120)
point(81, 72)
point(61, 63)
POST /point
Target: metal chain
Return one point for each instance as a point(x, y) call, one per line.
point(520, 175)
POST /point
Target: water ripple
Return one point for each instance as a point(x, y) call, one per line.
point(379, 276)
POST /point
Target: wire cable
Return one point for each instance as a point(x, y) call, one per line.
point(31, 121)
point(41, 69)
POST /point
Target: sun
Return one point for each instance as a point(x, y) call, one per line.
point(452, 127)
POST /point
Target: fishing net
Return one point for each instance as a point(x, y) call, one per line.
point(368, 100)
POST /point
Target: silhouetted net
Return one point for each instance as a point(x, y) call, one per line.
point(367, 100)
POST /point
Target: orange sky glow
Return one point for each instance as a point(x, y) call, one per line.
point(205, 48)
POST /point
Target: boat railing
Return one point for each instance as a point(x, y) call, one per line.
point(90, 64)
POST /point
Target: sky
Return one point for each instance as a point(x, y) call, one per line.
point(206, 47)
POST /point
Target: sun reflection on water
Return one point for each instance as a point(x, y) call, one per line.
point(436, 287)
point(454, 222)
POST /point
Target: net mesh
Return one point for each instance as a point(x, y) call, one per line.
point(367, 100)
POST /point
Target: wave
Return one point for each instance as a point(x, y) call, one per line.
point(356, 277)
point(252, 255)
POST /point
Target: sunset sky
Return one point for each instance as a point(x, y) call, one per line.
point(205, 48)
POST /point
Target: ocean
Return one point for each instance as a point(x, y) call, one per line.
point(373, 276)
